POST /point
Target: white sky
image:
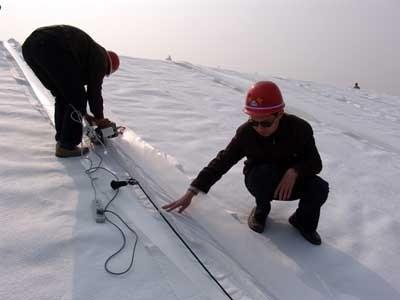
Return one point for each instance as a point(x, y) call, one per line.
point(332, 41)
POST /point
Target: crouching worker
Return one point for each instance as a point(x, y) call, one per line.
point(66, 59)
point(282, 163)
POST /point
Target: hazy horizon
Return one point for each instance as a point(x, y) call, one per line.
point(333, 41)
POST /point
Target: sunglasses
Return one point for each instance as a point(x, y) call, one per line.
point(264, 123)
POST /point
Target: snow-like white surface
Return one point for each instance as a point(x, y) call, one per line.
point(179, 116)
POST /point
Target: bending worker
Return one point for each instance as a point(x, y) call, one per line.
point(282, 163)
point(72, 66)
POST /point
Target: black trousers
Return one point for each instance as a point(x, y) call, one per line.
point(261, 181)
point(58, 71)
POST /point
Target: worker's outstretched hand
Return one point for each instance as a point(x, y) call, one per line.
point(284, 189)
point(182, 203)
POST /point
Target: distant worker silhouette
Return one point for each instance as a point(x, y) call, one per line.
point(356, 86)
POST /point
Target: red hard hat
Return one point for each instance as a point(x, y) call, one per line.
point(263, 98)
point(114, 61)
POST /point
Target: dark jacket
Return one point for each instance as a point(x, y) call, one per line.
point(292, 145)
point(91, 60)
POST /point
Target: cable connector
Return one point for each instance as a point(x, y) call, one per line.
point(117, 184)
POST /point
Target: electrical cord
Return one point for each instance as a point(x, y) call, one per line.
point(107, 210)
point(91, 170)
point(132, 181)
point(123, 244)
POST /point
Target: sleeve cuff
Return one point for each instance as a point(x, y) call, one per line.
point(193, 189)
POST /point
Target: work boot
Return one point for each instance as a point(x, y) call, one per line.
point(256, 224)
point(75, 151)
point(311, 236)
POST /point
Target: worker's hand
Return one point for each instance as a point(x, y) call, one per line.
point(285, 187)
point(90, 119)
point(103, 123)
point(182, 203)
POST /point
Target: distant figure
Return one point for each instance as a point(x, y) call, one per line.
point(72, 66)
point(282, 163)
point(356, 86)
point(169, 58)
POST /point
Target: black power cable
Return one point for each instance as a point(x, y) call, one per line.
point(122, 246)
point(90, 171)
point(77, 117)
point(117, 184)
